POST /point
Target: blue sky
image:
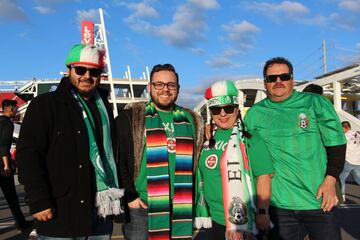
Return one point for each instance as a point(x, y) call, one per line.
point(206, 40)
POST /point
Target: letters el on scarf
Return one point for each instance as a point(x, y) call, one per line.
point(163, 224)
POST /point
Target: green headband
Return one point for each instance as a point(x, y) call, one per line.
point(223, 100)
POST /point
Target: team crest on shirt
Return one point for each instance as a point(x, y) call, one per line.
point(303, 120)
point(211, 161)
point(171, 144)
point(237, 211)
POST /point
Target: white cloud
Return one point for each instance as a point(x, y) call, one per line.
point(91, 15)
point(351, 5)
point(241, 38)
point(286, 9)
point(198, 51)
point(47, 7)
point(188, 99)
point(350, 59)
point(334, 21)
point(358, 45)
point(299, 13)
point(49, 2)
point(243, 27)
point(187, 27)
point(10, 10)
point(231, 52)
point(44, 10)
point(294, 8)
point(241, 34)
point(219, 62)
point(188, 24)
point(205, 4)
point(141, 10)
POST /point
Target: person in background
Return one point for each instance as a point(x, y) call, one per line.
point(7, 183)
point(307, 144)
point(314, 88)
point(65, 154)
point(232, 162)
point(158, 146)
point(352, 160)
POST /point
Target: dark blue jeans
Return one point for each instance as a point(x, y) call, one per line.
point(137, 228)
point(296, 224)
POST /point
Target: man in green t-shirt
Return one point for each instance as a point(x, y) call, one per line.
point(159, 144)
point(305, 139)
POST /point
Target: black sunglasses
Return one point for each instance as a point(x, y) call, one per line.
point(227, 109)
point(94, 72)
point(283, 77)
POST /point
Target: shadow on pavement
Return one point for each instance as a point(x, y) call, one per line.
point(11, 233)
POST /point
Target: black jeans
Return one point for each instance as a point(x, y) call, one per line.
point(218, 231)
point(296, 224)
point(7, 185)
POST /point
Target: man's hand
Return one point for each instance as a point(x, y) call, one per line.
point(328, 193)
point(262, 221)
point(137, 203)
point(45, 215)
point(7, 172)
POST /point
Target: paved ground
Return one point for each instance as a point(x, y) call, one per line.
point(348, 216)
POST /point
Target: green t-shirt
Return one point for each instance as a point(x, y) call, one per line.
point(168, 124)
point(209, 165)
point(296, 132)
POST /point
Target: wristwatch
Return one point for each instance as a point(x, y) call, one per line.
point(262, 211)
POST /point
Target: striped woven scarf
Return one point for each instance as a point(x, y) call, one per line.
point(168, 220)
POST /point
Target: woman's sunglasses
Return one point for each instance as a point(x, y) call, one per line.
point(227, 109)
point(94, 72)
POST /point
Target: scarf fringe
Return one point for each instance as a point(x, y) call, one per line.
point(202, 222)
point(108, 202)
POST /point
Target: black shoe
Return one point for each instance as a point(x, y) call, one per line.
point(24, 226)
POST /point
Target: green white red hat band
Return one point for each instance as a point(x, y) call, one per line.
point(86, 54)
point(221, 93)
point(223, 100)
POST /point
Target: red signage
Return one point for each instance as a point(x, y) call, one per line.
point(87, 32)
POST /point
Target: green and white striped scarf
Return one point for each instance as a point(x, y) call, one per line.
point(108, 193)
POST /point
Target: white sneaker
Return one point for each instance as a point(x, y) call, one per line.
point(33, 235)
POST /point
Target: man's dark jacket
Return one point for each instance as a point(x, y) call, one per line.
point(6, 133)
point(54, 163)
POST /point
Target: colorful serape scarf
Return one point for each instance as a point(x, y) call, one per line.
point(168, 220)
point(238, 195)
point(108, 193)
